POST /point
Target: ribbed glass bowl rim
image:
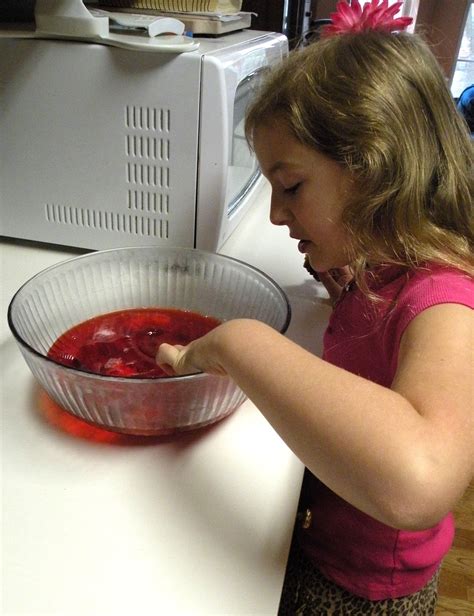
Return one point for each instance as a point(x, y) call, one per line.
point(133, 379)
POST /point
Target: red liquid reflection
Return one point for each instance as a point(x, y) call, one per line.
point(124, 343)
point(64, 421)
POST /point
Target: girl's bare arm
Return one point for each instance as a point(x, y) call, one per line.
point(403, 455)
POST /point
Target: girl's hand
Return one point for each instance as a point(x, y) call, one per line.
point(170, 359)
point(198, 356)
point(335, 280)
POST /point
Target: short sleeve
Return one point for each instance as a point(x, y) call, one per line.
point(425, 289)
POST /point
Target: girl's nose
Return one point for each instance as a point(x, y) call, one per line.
point(279, 215)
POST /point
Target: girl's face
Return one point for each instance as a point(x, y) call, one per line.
point(308, 194)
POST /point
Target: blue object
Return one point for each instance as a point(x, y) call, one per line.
point(466, 106)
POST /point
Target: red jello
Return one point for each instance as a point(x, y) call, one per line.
point(125, 343)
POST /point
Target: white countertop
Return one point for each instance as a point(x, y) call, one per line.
point(96, 524)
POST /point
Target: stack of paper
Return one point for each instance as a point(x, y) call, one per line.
point(200, 17)
point(209, 23)
point(179, 6)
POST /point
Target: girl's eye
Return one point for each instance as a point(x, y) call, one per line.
point(292, 189)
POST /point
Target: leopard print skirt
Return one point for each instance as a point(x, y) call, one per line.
point(306, 592)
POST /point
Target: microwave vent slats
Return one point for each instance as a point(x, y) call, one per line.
point(139, 146)
point(150, 202)
point(102, 220)
point(147, 118)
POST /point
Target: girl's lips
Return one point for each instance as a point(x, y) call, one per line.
point(303, 245)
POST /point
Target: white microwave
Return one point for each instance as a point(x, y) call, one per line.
point(102, 147)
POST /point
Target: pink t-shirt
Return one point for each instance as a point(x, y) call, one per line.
point(349, 547)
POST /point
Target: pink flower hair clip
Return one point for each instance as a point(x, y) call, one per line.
point(376, 15)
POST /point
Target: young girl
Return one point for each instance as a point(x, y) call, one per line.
point(371, 171)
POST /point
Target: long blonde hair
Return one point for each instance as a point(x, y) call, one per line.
point(378, 104)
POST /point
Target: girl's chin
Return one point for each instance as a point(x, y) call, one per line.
point(307, 248)
point(318, 264)
point(315, 265)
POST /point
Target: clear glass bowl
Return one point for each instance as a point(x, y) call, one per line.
point(78, 289)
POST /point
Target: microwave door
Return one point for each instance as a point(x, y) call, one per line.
point(243, 170)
